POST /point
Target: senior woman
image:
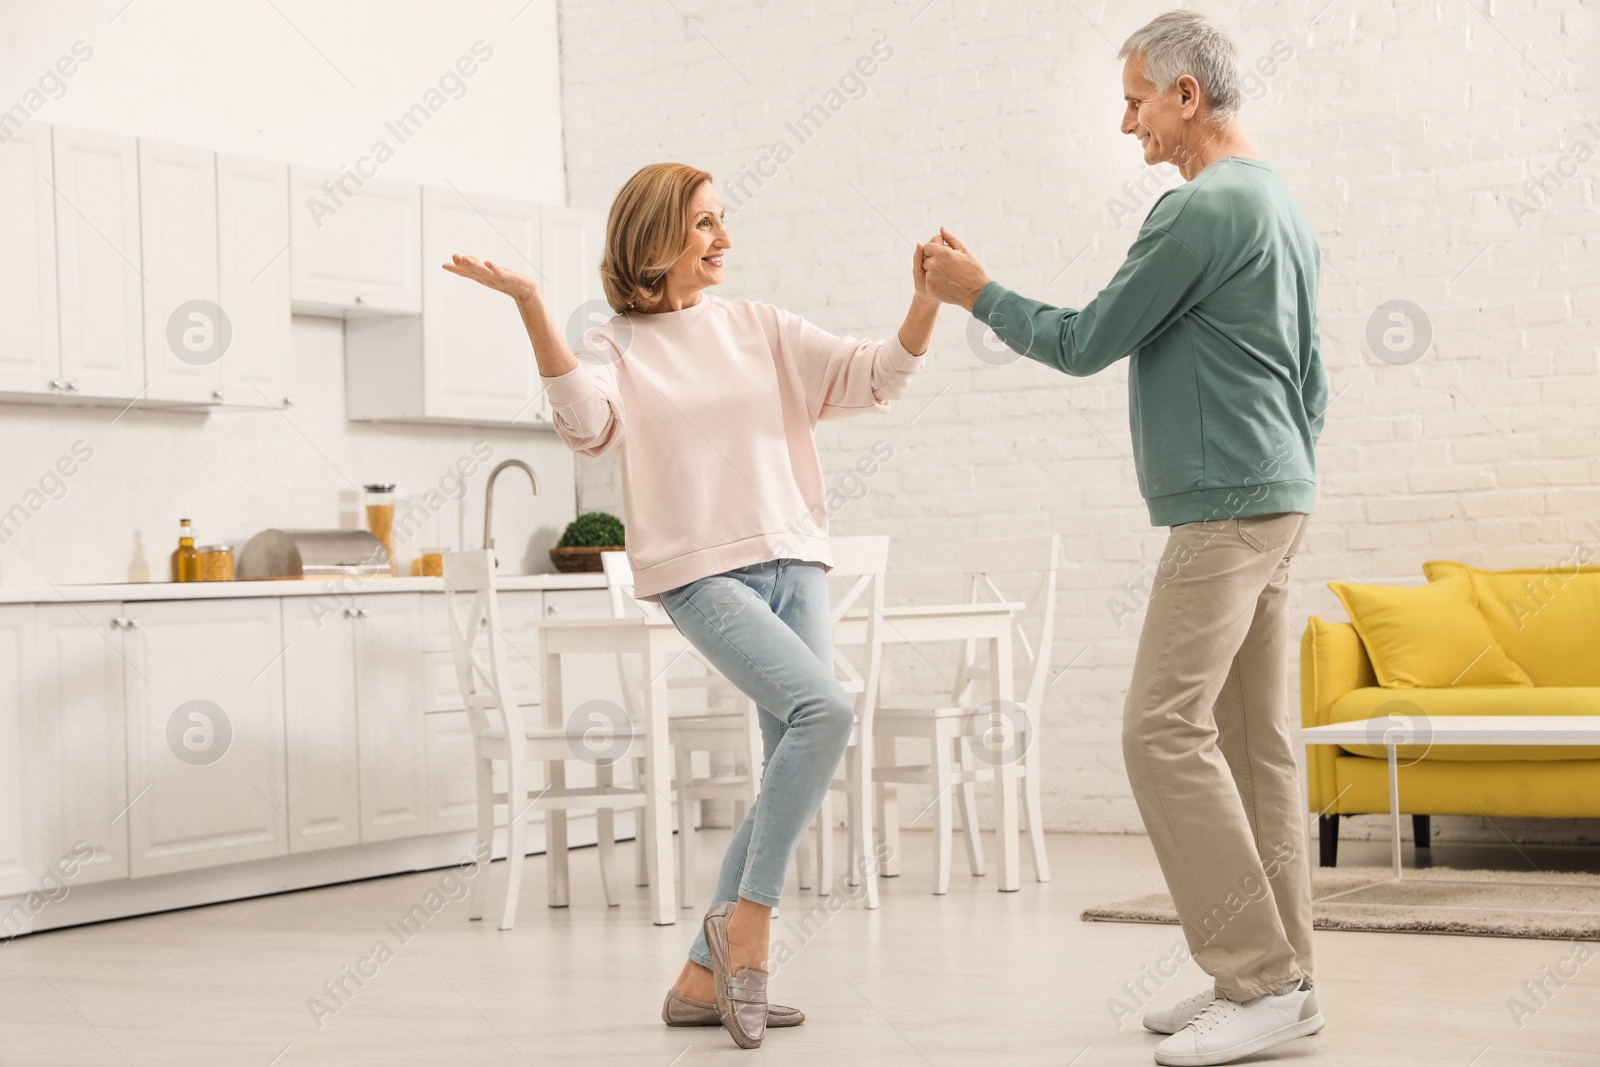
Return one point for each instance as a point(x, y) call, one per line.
point(713, 406)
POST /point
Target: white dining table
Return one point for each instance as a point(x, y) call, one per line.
point(1443, 730)
point(990, 624)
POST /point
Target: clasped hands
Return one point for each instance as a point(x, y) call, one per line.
point(945, 270)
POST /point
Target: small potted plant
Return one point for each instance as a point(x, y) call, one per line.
point(584, 539)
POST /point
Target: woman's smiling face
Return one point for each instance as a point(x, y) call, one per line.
point(700, 265)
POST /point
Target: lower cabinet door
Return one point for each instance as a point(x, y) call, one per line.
point(389, 715)
point(324, 759)
point(17, 865)
point(452, 778)
point(76, 738)
point(205, 734)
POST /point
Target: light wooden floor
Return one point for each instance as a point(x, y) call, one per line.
point(976, 977)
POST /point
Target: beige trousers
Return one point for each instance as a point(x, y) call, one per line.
point(1209, 747)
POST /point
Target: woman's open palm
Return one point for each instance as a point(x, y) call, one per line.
point(513, 283)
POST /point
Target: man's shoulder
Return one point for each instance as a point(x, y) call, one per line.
point(1214, 193)
point(1236, 197)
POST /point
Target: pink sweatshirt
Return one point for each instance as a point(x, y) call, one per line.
point(715, 409)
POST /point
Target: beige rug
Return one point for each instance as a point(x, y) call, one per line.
point(1428, 900)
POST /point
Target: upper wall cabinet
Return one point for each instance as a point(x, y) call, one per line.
point(136, 270)
point(467, 359)
point(167, 275)
point(185, 336)
point(479, 363)
point(97, 258)
point(30, 345)
point(356, 244)
point(253, 255)
point(573, 241)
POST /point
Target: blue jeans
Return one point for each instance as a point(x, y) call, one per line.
point(765, 627)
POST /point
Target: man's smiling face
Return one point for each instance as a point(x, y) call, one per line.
point(1157, 119)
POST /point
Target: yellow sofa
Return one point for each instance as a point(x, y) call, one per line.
point(1548, 621)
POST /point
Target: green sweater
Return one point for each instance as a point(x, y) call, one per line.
point(1216, 307)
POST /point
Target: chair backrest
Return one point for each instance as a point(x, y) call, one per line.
point(475, 642)
point(981, 561)
point(860, 564)
point(619, 584)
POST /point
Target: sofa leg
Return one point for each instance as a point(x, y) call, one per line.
point(1328, 837)
point(1421, 831)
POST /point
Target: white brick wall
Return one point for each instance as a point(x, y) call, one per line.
point(1404, 130)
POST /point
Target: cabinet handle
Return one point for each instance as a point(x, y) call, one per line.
point(361, 613)
point(216, 394)
point(72, 386)
point(57, 383)
point(131, 624)
point(360, 300)
point(288, 401)
point(119, 623)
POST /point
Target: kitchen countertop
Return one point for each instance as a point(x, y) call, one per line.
point(135, 592)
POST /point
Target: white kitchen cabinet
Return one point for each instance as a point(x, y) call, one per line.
point(356, 244)
point(389, 713)
point(467, 358)
point(477, 361)
point(319, 676)
point(185, 339)
point(76, 739)
point(573, 241)
point(321, 721)
point(452, 779)
point(30, 342)
point(100, 287)
point(18, 864)
point(253, 259)
point(205, 734)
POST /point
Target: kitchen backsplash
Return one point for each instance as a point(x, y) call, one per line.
point(94, 495)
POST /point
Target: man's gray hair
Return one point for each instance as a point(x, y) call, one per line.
point(1186, 42)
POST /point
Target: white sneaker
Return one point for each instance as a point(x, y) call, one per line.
point(1226, 1030)
point(1171, 1020)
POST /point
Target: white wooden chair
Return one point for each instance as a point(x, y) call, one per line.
point(518, 737)
point(859, 564)
point(731, 727)
point(952, 727)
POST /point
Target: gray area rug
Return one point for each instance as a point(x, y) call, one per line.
point(1429, 900)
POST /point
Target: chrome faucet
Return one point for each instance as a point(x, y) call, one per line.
point(488, 496)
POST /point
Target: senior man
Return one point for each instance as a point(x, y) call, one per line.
point(1216, 308)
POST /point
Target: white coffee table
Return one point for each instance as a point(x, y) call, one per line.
point(1444, 730)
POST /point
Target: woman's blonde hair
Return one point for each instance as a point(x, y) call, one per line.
point(646, 231)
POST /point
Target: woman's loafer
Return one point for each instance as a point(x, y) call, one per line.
point(742, 997)
point(681, 1011)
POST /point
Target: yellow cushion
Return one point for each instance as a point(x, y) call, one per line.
point(1546, 618)
point(1412, 710)
point(1428, 636)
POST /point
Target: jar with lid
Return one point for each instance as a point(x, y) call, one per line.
point(216, 563)
point(380, 517)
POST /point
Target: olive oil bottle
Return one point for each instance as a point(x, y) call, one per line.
point(185, 558)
